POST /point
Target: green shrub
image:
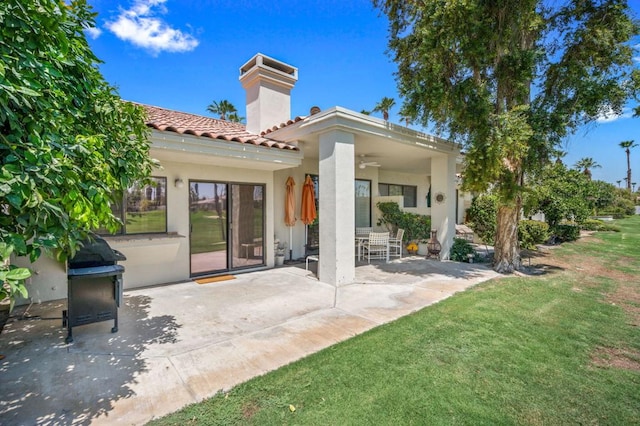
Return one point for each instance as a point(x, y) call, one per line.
point(609, 227)
point(460, 249)
point(482, 217)
point(566, 232)
point(532, 232)
point(592, 225)
point(417, 227)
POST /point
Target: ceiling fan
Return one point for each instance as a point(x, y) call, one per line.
point(364, 164)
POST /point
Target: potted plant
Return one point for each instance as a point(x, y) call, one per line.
point(281, 248)
point(412, 248)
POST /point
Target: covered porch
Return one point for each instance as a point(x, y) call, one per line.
point(349, 153)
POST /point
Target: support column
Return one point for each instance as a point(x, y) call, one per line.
point(443, 213)
point(337, 208)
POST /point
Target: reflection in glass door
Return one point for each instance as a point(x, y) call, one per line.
point(209, 228)
point(227, 228)
point(247, 219)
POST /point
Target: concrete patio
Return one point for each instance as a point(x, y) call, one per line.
point(178, 344)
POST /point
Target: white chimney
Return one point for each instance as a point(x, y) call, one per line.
point(268, 83)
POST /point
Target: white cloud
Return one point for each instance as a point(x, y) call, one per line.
point(141, 26)
point(610, 115)
point(93, 32)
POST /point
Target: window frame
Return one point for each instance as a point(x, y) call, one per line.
point(120, 210)
point(403, 189)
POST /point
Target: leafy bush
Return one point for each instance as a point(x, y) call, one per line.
point(609, 227)
point(532, 232)
point(417, 227)
point(483, 216)
point(592, 225)
point(566, 232)
point(460, 250)
point(620, 208)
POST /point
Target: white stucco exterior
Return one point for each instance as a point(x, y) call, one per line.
point(330, 143)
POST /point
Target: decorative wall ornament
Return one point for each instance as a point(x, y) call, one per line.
point(440, 197)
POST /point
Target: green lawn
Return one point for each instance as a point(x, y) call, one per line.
point(555, 349)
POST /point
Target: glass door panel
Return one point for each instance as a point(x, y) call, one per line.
point(247, 225)
point(209, 228)
point(363, 203)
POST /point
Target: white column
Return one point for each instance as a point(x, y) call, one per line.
point(443, 214)
point(337, 208)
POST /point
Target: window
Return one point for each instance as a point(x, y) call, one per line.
point(143, 209)
point(363, 203)
point(408, 192)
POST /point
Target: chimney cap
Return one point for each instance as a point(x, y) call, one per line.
point(263, 64)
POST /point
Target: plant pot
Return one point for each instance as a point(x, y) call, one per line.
point(280, 260)
point(422, 249)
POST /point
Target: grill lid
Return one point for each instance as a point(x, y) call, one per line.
point(95, 252)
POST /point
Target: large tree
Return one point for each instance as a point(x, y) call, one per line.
point(510, 79)
point(68, 143)
point(627, 145)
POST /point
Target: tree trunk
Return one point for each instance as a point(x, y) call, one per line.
point(506, 258)
point(628, 169)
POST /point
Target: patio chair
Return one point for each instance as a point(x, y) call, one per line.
point(377, 246)
point(363, 231)
point(395, 244)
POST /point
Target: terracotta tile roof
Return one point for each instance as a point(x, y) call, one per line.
point(282, 125)
point(183, 123)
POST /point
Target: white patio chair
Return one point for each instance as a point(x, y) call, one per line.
point(362, 233)
point(377, 246)
point(396, 245)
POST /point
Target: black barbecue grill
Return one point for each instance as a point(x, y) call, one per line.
point(94, 286)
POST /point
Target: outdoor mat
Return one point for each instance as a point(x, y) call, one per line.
point(215, 279)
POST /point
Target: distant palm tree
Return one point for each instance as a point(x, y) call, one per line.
point(222, 108)
point(627, 145)
point(559, 154)
point(365, 112)
point(586, 164)
point(235, 117)
point(406, 116)
point(384, 106)
point(618, 182)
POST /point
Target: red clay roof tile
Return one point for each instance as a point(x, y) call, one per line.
point(183, 123)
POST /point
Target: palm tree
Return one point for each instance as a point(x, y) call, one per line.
point(406, 116)
point(222, 108)
point(627, 145)
point(384, 106)
point(618, 182)
point(586, 164)
point(559, 154)
point(365, 112)
point(235, 117)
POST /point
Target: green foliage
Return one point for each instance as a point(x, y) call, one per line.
point(460, 250)
point(68, 142)
point(532, 232)
point(482, 216)
point(416, 227)
point(591, 225)
point(566, 232)
point(561, 194)
point(11, 277)
point(225, 109)
point(532, 73)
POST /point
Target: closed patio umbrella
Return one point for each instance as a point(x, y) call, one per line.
point(290, 210)
point(308, 207)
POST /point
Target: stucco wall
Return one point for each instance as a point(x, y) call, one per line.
point(158, 259)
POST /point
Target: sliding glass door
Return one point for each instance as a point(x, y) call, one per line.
point(226, 226)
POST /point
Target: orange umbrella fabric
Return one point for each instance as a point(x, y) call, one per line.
point(290, 203)
point(308, 208)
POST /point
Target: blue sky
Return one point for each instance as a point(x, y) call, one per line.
point(185, 54)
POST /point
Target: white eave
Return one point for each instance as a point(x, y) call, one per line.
point(203, 150)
